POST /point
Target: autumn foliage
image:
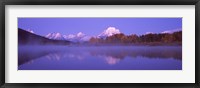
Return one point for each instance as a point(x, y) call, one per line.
point(161, 38)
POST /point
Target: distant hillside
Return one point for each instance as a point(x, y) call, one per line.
point(27, 38)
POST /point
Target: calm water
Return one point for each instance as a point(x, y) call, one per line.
point(100, 58)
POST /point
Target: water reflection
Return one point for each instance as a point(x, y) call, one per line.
point(110, 55)
point(111, 60)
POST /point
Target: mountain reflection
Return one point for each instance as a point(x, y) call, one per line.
point(111, 55)
point(111, 60)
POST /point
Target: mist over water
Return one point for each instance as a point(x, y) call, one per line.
point(100, 58)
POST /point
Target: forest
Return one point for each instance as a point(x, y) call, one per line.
point(145, 39)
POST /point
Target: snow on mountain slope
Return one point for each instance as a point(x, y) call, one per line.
point(80, 34)
point(172, 31)
point(109, 32)
point(56, 36)
point(79, 37)
point(29, 30)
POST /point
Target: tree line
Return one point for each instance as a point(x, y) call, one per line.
point(159, 38)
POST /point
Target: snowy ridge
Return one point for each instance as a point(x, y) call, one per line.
point(109, 32)
point(56, 36)
point(171, 31)
point(79, 37)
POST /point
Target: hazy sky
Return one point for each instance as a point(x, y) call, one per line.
point(95, 26)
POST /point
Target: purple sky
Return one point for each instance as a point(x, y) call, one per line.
point(95, 26)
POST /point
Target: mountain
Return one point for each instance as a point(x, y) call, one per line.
point(165, 32)
point(55, 36)
point(76, 36)
point(28, 38)
point(31, 31)
point(171, 31)
point(109, 32)
point(79, 37)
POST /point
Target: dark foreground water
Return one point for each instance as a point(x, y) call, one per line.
point(100, 58)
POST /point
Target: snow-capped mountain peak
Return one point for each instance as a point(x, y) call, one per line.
point(56, 36)
point(77, 37)
point(80, 34)
point(109, 32)
point(80, 37)
point(69, 36)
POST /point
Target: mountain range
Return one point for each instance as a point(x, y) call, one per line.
point(81, 37)
point(29, 38)
point(71, 37)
